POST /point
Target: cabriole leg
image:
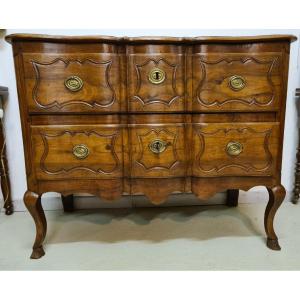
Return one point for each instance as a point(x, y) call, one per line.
point(276, 197)
point(34, 206)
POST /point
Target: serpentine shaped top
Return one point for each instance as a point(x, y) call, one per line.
point(147, 39)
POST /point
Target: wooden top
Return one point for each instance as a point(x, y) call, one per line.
point(148, 39)
point(297, 92)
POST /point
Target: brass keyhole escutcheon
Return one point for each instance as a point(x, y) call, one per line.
point(74, 83)
point(80, 151)
point(157, 76)
point(234, 148)
point(157, 146)
point(237, 82)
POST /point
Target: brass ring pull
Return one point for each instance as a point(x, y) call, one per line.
point(237, 82)
point(234, 148)
point(80, 151)
point(158, 146)
point(74, 83)
point(157, 76)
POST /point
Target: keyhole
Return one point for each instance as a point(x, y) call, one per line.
point(157, 75)
point(157, 145)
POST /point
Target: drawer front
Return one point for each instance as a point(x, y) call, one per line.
point(72, 82)
point(86, 152)
point(156, 82)
point(236, 82)
point(157, 151)
point(239, 149)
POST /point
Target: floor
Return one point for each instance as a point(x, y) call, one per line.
point(172, 238)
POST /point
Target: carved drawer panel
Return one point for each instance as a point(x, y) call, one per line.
point(72, 82)
point(61, 152)
point(236, 81)
point(156, 82)
point(235, 149)
point(157, 150)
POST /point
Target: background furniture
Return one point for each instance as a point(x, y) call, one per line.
point(151, 115)
point(297, 171)
point(5, 183)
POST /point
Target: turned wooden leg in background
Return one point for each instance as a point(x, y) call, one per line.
point(296, 192)
point(5, 183)
point(68, 203)
point(5, 187)
point(34, 206)
point(276, 197)
point(232, 198)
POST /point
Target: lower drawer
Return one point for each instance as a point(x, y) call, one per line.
point(158, 151)
point(154, 150)
point(235, 149)
point(77, 151)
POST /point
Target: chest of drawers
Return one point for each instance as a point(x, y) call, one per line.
point(151, 115)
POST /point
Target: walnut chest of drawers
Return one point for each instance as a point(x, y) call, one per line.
point(151, 115)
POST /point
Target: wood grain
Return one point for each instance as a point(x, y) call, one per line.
point(119, 113)
point(54, 158)
point(100, 75)
point(259, 143)
point(212, 73)
point(166, 96)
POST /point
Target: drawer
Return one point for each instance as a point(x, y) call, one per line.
point(157, 150)
point(77, 151)
point(156, 78)
point(237, 81)
point(72, 82)
point(235, 149)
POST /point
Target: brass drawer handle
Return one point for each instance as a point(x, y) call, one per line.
point(80, 151)
point(74, 83)
point(157, 76)
point(158, 146)
point(234, 148)
point(237, 82)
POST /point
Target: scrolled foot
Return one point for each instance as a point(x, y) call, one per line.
point(276, 197)
point(273, 244)
point(37, 253)
point(34, 206)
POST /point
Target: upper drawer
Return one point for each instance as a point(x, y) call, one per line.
point(156, 78)
point(72, 82)
point(237, 81)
